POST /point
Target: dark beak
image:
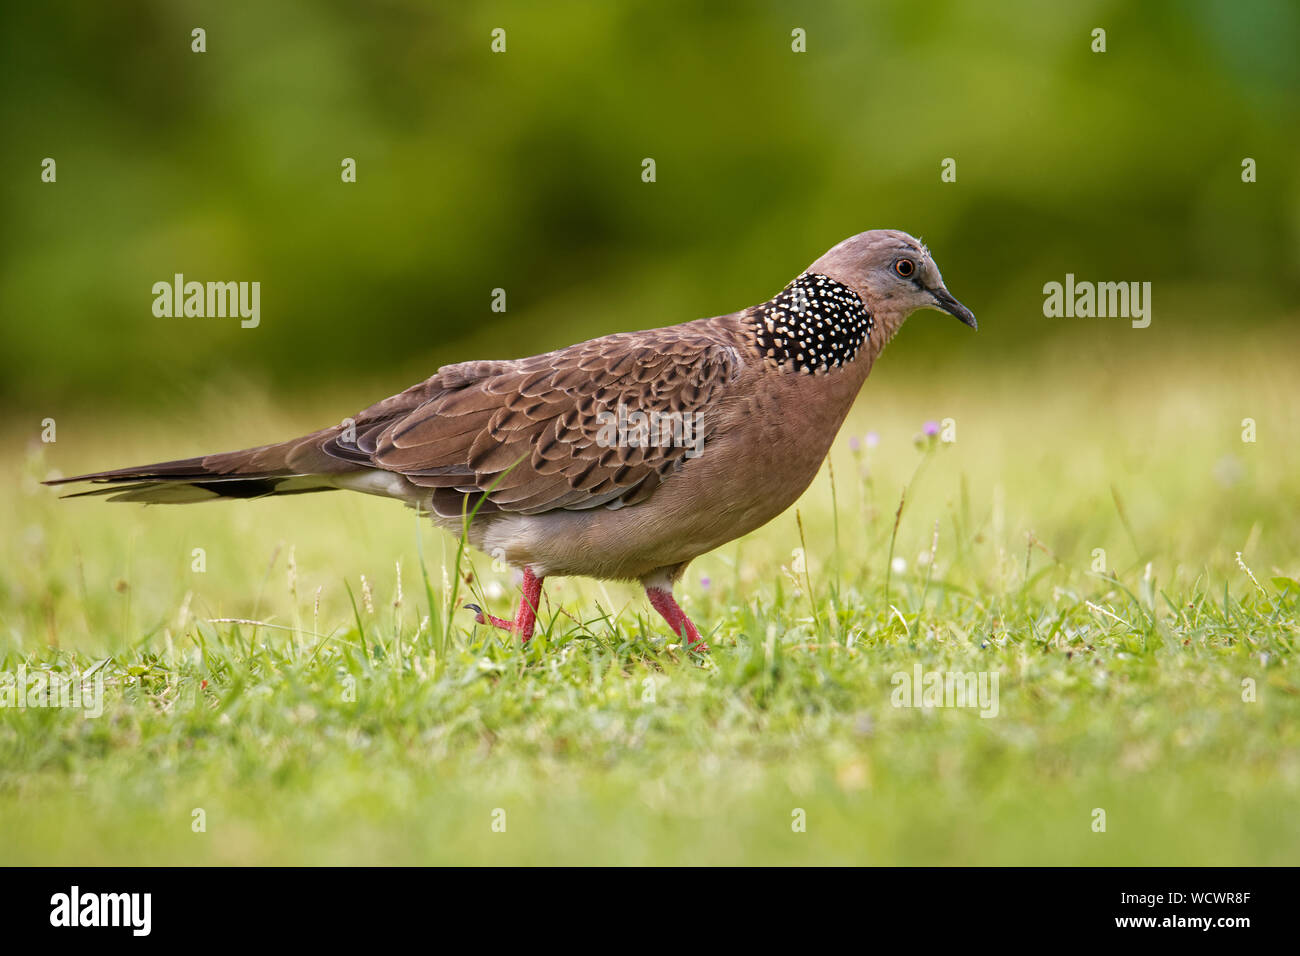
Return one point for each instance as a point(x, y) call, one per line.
point(944, 300)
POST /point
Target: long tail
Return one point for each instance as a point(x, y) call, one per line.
point(289, 468)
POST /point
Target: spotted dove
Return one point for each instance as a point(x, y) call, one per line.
point(624, 457)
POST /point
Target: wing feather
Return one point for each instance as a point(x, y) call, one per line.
point(534, 434)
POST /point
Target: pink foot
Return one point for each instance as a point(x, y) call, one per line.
point(662, 601)
point(526, 618)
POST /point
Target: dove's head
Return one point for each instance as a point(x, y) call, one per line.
point(893, 274)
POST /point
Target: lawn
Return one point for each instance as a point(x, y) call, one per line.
point(1099, 536)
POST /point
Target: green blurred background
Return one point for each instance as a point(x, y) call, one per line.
point(522, 171)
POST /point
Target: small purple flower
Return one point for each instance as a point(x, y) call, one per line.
point(855, 444)
point(873, 439)
point(705, 583)
point(931, 428)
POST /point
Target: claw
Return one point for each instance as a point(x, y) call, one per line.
point(527, 616)
point(482, 617)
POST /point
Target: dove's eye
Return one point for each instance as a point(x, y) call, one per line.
point(905, 268)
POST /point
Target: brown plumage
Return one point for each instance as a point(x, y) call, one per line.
point(622, 457)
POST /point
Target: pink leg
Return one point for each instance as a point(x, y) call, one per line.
point(528, 605)
point(662, 601)
point(526, 618)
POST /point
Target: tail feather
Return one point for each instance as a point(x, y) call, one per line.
point(168, 491)
point(251, 473)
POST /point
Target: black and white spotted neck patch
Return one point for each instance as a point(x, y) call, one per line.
point(815, 324)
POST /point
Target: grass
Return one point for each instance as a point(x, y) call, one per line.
point(359, 720)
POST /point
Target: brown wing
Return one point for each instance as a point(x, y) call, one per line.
point(543, 433)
